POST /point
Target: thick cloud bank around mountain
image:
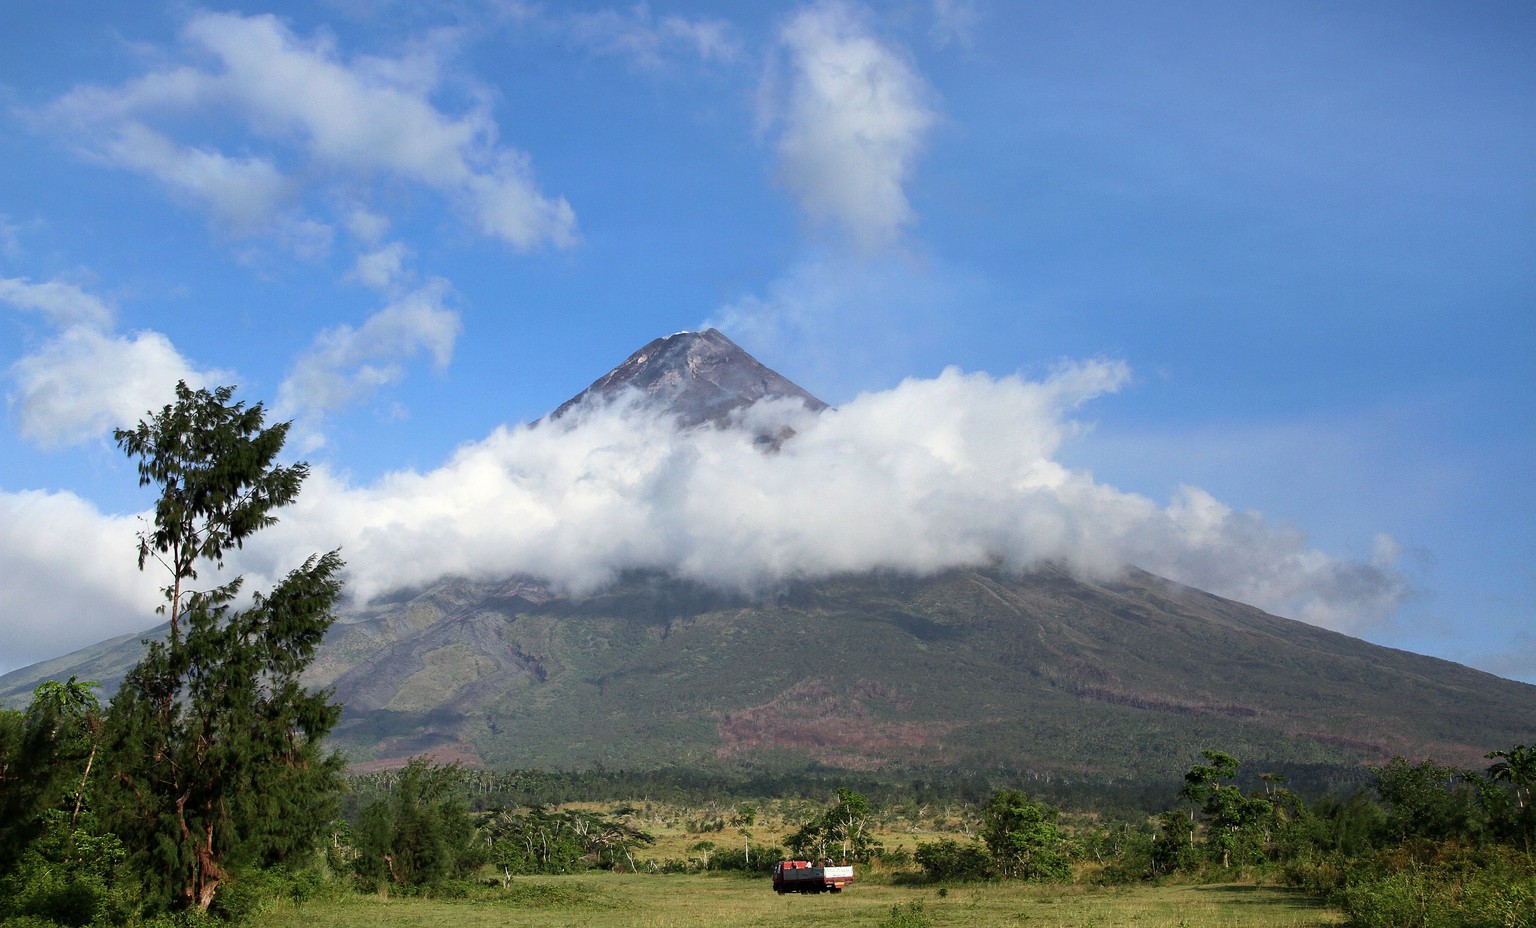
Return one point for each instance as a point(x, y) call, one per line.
point(932, 474)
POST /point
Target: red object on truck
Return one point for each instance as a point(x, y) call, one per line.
point(802, 876)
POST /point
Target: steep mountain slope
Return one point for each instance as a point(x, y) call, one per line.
point(699, 377)
point(1120, 679)
point(968, 669)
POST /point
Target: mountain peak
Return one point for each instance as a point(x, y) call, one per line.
point(700, 377)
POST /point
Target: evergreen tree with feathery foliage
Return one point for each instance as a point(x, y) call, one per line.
point(211, 758)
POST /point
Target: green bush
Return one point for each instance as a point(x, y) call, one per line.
point(27, 921)
point(67, 877)
point(736, 859)
point(906, 916)
point(951, 860)
point(1441, 886)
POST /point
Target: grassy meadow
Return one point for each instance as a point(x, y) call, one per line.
point(606, 900)
point(881, 898)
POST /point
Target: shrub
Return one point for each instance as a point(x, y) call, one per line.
point(906, 916)
point(67, 877)
point(951, 860)
point(1441, 886)
point(736, 859)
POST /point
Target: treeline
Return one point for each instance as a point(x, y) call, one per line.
point(1426, 846)
point(891, 787)
point(486, 789)
point(1421, 844)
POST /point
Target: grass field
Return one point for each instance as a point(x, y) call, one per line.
point(605, 900)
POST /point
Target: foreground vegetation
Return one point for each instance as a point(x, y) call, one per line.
point(202, 794)
point(1429, 847)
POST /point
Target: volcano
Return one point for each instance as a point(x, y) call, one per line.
point(968, 669)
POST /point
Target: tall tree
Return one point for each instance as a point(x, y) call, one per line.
point(1428, 800)
point(1235, 823)
point(1517, 767)
point(419, 833)
point(215, 466)
point(212, 751)
point(1022, 836)
point(843, 828)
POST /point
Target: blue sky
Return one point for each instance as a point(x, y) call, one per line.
point(1241, 293)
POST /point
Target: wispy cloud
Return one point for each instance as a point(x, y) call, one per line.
point(345, 364)
point(62, 303)
point(383, 269)
point(954, 22)
point(649, 41)
point(307, 113)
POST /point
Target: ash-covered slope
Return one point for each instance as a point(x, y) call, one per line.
point(700, 377)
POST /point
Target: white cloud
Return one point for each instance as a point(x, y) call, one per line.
point(85, 379)
point(369, 227)
point(10, 238)
point(51, 604)
point(509, 207)
point(382, 269)
point(243, 192)
point(958, 470)
point(851, 115)
point(84, 382)
point(62, 303)
point(346, 364)
point(961, 469)
point(300, 101)
point(306, 239)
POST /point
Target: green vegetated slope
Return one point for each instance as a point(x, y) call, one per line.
point(970, 669)
point(1114, 681)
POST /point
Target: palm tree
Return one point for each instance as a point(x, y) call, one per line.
point(1517, 768)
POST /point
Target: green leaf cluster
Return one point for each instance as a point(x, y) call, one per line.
point(1022, 837)
point(208, 763)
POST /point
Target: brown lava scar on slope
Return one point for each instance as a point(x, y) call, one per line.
point(836, 728)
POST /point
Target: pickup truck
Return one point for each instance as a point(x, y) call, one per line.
point(802, 876)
